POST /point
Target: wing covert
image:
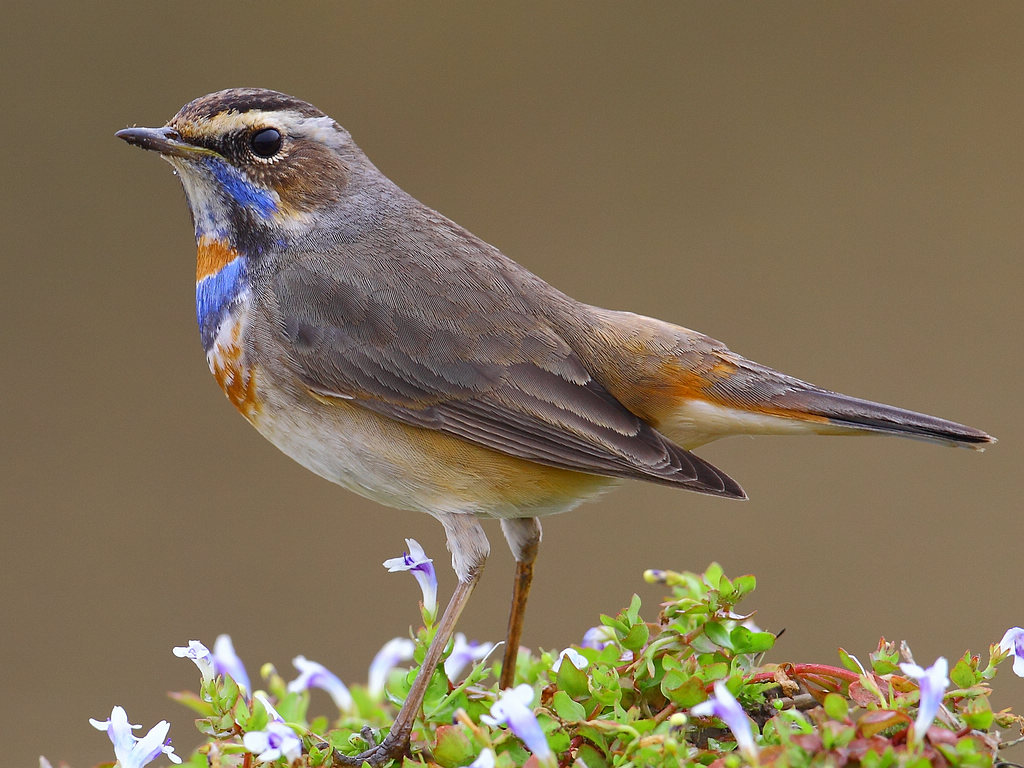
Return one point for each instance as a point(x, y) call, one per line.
point(474, 370)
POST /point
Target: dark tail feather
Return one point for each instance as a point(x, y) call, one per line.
point(857, 414)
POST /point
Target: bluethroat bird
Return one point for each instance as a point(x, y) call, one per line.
point(389, 350)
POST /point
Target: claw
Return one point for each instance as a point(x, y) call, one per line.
point(378, 754)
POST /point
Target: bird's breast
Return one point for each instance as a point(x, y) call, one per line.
point(223, 297)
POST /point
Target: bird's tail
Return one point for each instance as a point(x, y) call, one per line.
point(852, 413)
point(739, 396)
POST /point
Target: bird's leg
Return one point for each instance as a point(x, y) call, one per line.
point(469, 548)
point(523, 536)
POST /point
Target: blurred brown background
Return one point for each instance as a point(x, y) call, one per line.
point(834, 190)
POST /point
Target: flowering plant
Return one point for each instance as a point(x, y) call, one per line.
point(689, 688)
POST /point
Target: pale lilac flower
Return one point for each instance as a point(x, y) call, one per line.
point(578, 659)
point(275, 741)
point(422, 568)
point(314, 675)
point(272, 713)
point(724, 706)
point(513, 708)
point(226, 662)
point(484, 760)
point(1013, 643)
point(598, 637)
point(132, 752)
point(933, 682)
point(393, 653)
point(463, 653)
point(200, 654)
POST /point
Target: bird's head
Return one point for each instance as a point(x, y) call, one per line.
point(256, 165)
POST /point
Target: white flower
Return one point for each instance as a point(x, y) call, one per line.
point(463, 653)
point(484, 760)
point(724, 706)
point(422, 568)
point(226, 662)
point(200, 654)
point(514, 709)
point(598, 637)
point(1013, 642)
point(275, 741)
point(272, 713)
point(933, 683)
point(132, 752)
point(393, 653)
point(578, 659)
point(314, 675)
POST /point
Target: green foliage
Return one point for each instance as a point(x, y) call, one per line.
point(629, 705)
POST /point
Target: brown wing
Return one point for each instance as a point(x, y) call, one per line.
point(467, 357)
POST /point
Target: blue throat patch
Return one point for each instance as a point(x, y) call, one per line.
point(216, 295)
point(241, 190)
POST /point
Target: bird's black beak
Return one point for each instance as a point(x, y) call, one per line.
point(166, 141)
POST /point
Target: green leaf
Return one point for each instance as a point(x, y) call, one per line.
point(566, 708)
point(452, 746)
point(293, 707)
point(684, 693)
point(744, 585)
point(633, 612)
point(876, 721)
point(197, 760)
point(725, 586)
point(437, 690)
point(836, 706)
point(589, 756)
point(637, 637)
point(847, 661)
point(744, 640)
point(884, 666)
point(605, 685)
point(711, 672)
point(713, 575)
point(193, 702)
point(618, 626)
point(963, 675)
point(259, 718)
point(573, 681)
point(718, 634)
point(609, 655)
point(978, 714)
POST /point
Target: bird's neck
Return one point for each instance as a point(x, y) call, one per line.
point(222, 285)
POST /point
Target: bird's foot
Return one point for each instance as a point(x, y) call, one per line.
point(393, 747)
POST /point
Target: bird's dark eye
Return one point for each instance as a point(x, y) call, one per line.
point(266, 143)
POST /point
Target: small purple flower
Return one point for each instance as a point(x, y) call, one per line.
point(598, 637)
point(226, 662)
point(724, 706)
point(200, 654)
point(484, 760)
point(513, 708)
point(275, 741)
point(132, 752)
point(422, 568)
point(933, 683)
point(1013, 643)
point(393, 653)
point(463, 653)
point(578, 659)
point(314, 675)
